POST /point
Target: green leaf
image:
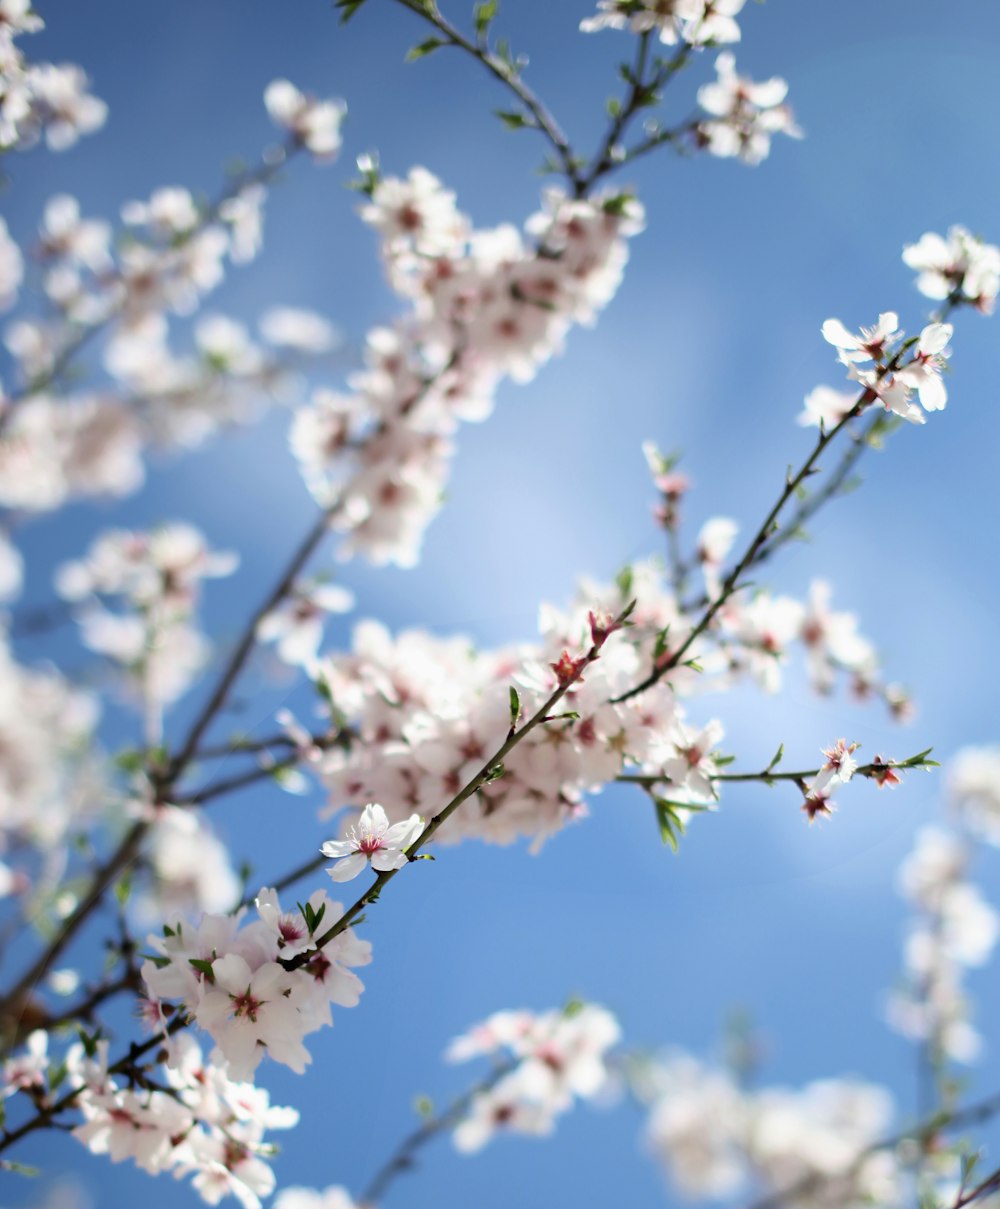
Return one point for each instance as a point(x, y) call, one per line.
point(56, 1074)
point(347, 9)
point(515, 707)
point(617, 205)
point(130, 760)
point(512, 119)
point(203, 967)
point(623, 580)
point(779, 755)
point(428, 46)
point(613, 106)
point(670, 823)
point(423, 1106)
point(494, 774)
point(89, 1041)
point(123, 888)
point(484, 14)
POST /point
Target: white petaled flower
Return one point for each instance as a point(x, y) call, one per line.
point(296, 625)
point(826, 406)
point(869, 344)
point(248, 1010)
point(890, 390)
point(743, 114)
point(11, 268)
point(371, 839)
point(334, 1197)
point(960, 267)
point(314, 123)
point(923, 374)
point(712, 22)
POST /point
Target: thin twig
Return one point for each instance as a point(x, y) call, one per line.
point(402, 1158)
point(508, 76)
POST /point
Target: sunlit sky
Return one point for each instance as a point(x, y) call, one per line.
point(709, 348)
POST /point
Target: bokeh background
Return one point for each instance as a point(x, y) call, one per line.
point(708, 348)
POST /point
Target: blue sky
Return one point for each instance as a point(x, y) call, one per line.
point(709, 348)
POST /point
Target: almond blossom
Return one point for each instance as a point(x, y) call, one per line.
point(296, 625)
point(923, 373)
point(870, 344)
point(372, 841)
point(314, 123)
point(743, 114)
point(959, 265)
point(555, 1057)
point(231, 979)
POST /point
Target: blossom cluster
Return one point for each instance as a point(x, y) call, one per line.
point(198, 1121)
point(240, 984)
point(547, 1061)
point(484, 304)
point(743, 115)
point(425, 714)
point(173, 252)
point(39, 99)
point(157, 576)
point(696, 22)
point(954, 929)
point(51, 784)
point(811, 1147)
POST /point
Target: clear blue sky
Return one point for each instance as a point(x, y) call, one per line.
point(709, 347)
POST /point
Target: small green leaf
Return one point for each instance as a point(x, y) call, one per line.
point(779, 755)
point(613, 106)
point(428, 46)
point(423, 1106)
point(515, 707)
point(511, 118)
point(617, 205)
point(623, 581)
point(347, 9)
point(56, 1074)
point(130, 760)
point(203, 967)
point(123, 888)
point(484, 14)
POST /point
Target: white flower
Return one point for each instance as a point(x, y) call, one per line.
point(869, 345)
point(960, 265)
point(743, 114)
point(296, 625)
point(372, 839)
point(826, 406)
point(923, 373)
point(315, 124)
point(248, 1010)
